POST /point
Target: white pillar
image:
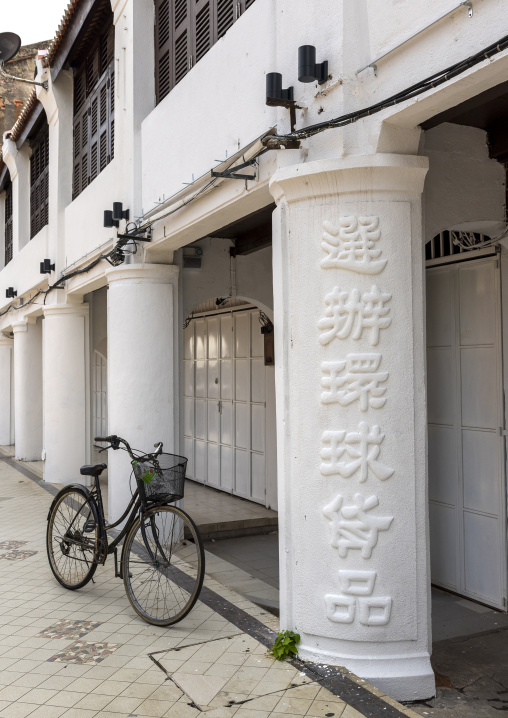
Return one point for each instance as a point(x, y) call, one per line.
point(142, 370)
point(65, 383)
point(28, 388)
point(6, 403)
point(351, 416)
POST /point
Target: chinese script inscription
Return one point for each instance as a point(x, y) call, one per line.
point(352, 245)
point(353, 526)
point(345, 452)
point(359, 382)
point(350, 313)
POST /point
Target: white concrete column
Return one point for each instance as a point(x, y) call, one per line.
point(6, 391)
point(65, 385)
point(142, 369)
point(351, 416)
point(28, 388)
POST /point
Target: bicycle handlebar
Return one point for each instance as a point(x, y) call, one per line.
point(115, 442)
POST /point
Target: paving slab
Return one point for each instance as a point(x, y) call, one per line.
point(85, 653)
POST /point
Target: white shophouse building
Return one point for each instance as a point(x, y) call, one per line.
point(374, 398)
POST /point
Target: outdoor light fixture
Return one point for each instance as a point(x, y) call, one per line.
point(275, 95)
point(119, 212)
point(108, 219)
point(47, 267)
point(112, 217)
point(308, 69)
point(10, 293)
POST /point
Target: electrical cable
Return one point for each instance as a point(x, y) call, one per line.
point(275, 141)
point(117, 254)
point(112, 257)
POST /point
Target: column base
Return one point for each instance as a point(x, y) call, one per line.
point(403, 678)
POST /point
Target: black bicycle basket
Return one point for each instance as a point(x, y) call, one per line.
point(162, 479)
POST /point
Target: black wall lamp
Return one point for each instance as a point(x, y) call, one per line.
point(275, 95)
point(308, 69)
point(10, 293)
point(112, 217)
point(47, 267)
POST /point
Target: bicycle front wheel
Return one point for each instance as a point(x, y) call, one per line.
point(163, 565)
point(72, 538)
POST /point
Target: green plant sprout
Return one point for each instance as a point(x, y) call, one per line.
point(285, 645)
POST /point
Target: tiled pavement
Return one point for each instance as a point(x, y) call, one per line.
point(56, 661)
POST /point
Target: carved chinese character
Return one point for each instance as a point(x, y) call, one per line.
point(349, 313)
point(345, 453)
point(353, 527)
point(351, 245)
point(360, 381)
point(357, 587)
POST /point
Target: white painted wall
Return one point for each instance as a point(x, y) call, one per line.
point(222, 97)
point(23, 271)
point(253, 275)
point(463, 183)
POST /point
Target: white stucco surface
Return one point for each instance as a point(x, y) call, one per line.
point(323, 462)
point(375, 168)
point(28, 388)
point(142, 304)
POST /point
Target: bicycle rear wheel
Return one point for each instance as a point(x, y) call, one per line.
point(72, 538)
point(164, 587)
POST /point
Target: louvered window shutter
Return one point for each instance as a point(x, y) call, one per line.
point(203, 29)
point(162, 48)
point(94, 126)
point(225, 15)
point(184, 32)
point(39, 185)
point(8, 223)
point(180, 51)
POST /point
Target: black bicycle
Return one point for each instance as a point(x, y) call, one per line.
point(162, 561)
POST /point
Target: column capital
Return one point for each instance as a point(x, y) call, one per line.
point(150, 273)
point(22, 324)
point(52, 310)
point(357, 173)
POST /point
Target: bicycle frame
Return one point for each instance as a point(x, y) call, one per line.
point(136, 507)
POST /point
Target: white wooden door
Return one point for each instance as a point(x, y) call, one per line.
point(466, 448)
point(225, 403)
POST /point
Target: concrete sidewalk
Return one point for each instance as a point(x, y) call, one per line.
point(85, 653)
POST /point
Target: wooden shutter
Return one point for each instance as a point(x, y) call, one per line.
point(94, 102)
point(181, 29)
point(184, 32)
point(8, 223)
point(226, 12)
point(203, 29)
point(39, 185)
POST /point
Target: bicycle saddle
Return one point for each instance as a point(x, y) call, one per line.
point(95, 470)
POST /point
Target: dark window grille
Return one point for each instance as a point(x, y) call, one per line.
point(39, 184)
point(8, 223)
point(184, 32)
point(94, 105)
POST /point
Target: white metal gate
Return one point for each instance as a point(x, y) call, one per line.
point(466, 447)
point(225, 403)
